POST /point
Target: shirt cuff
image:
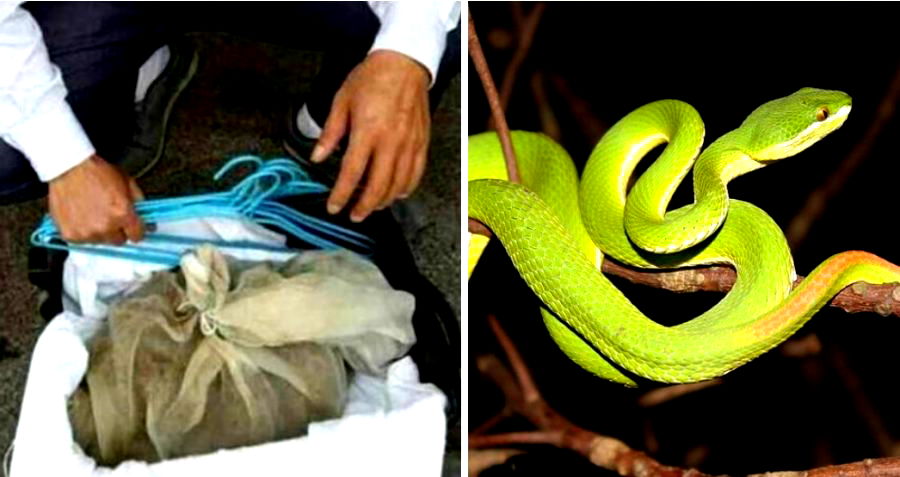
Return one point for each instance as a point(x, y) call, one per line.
point(52, 139)
point(414, 31)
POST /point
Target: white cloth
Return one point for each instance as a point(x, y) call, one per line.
point(417, 29)
point(32, 89)
point(391, 426)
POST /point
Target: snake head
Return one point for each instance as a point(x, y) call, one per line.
point(786, 126)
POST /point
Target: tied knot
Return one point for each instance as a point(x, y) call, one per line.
point(209, 324)
point(206, 285)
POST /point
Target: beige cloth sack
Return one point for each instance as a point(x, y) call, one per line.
point(223, 354)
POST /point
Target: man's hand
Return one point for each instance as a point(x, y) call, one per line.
point(94, 202)
point(384, 105)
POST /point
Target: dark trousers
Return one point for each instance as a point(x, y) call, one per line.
point(99, 46)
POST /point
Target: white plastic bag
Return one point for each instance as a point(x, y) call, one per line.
point(391, 426)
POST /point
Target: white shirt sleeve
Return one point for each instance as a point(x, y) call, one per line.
point(34, 115)
point(417, 29)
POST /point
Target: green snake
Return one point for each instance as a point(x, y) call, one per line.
point(556, 230)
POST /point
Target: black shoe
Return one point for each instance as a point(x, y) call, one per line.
point(45, 271)
point(300, 148)
point(152, 114)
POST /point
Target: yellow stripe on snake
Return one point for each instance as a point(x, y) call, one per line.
point(556, 230)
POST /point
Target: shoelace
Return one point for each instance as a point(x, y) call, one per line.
point(253, 198)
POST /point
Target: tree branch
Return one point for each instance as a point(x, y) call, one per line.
point(886, 467)
point(523, 397)
point(479, 228)
point(860, 297)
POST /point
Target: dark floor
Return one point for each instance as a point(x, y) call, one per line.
point(235, 104)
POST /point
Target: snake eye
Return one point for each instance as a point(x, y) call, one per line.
point(822, 113)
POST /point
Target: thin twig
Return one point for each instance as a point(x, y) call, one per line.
point(864, 406)
point(809, 345)
point(492, 422)
point(816, 203)
point(484, 73)
point(527, 26)
point(549, 123)
point(480, 460)
point(651, 442)
point(510, 438)
point(591, 126)
point(526, 383)
point(668, 393)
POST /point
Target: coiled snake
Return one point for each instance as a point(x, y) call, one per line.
point(556, 229)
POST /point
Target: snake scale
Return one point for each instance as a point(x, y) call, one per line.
point(556, 228)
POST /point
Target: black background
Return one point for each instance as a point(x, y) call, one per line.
point(725, 59)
